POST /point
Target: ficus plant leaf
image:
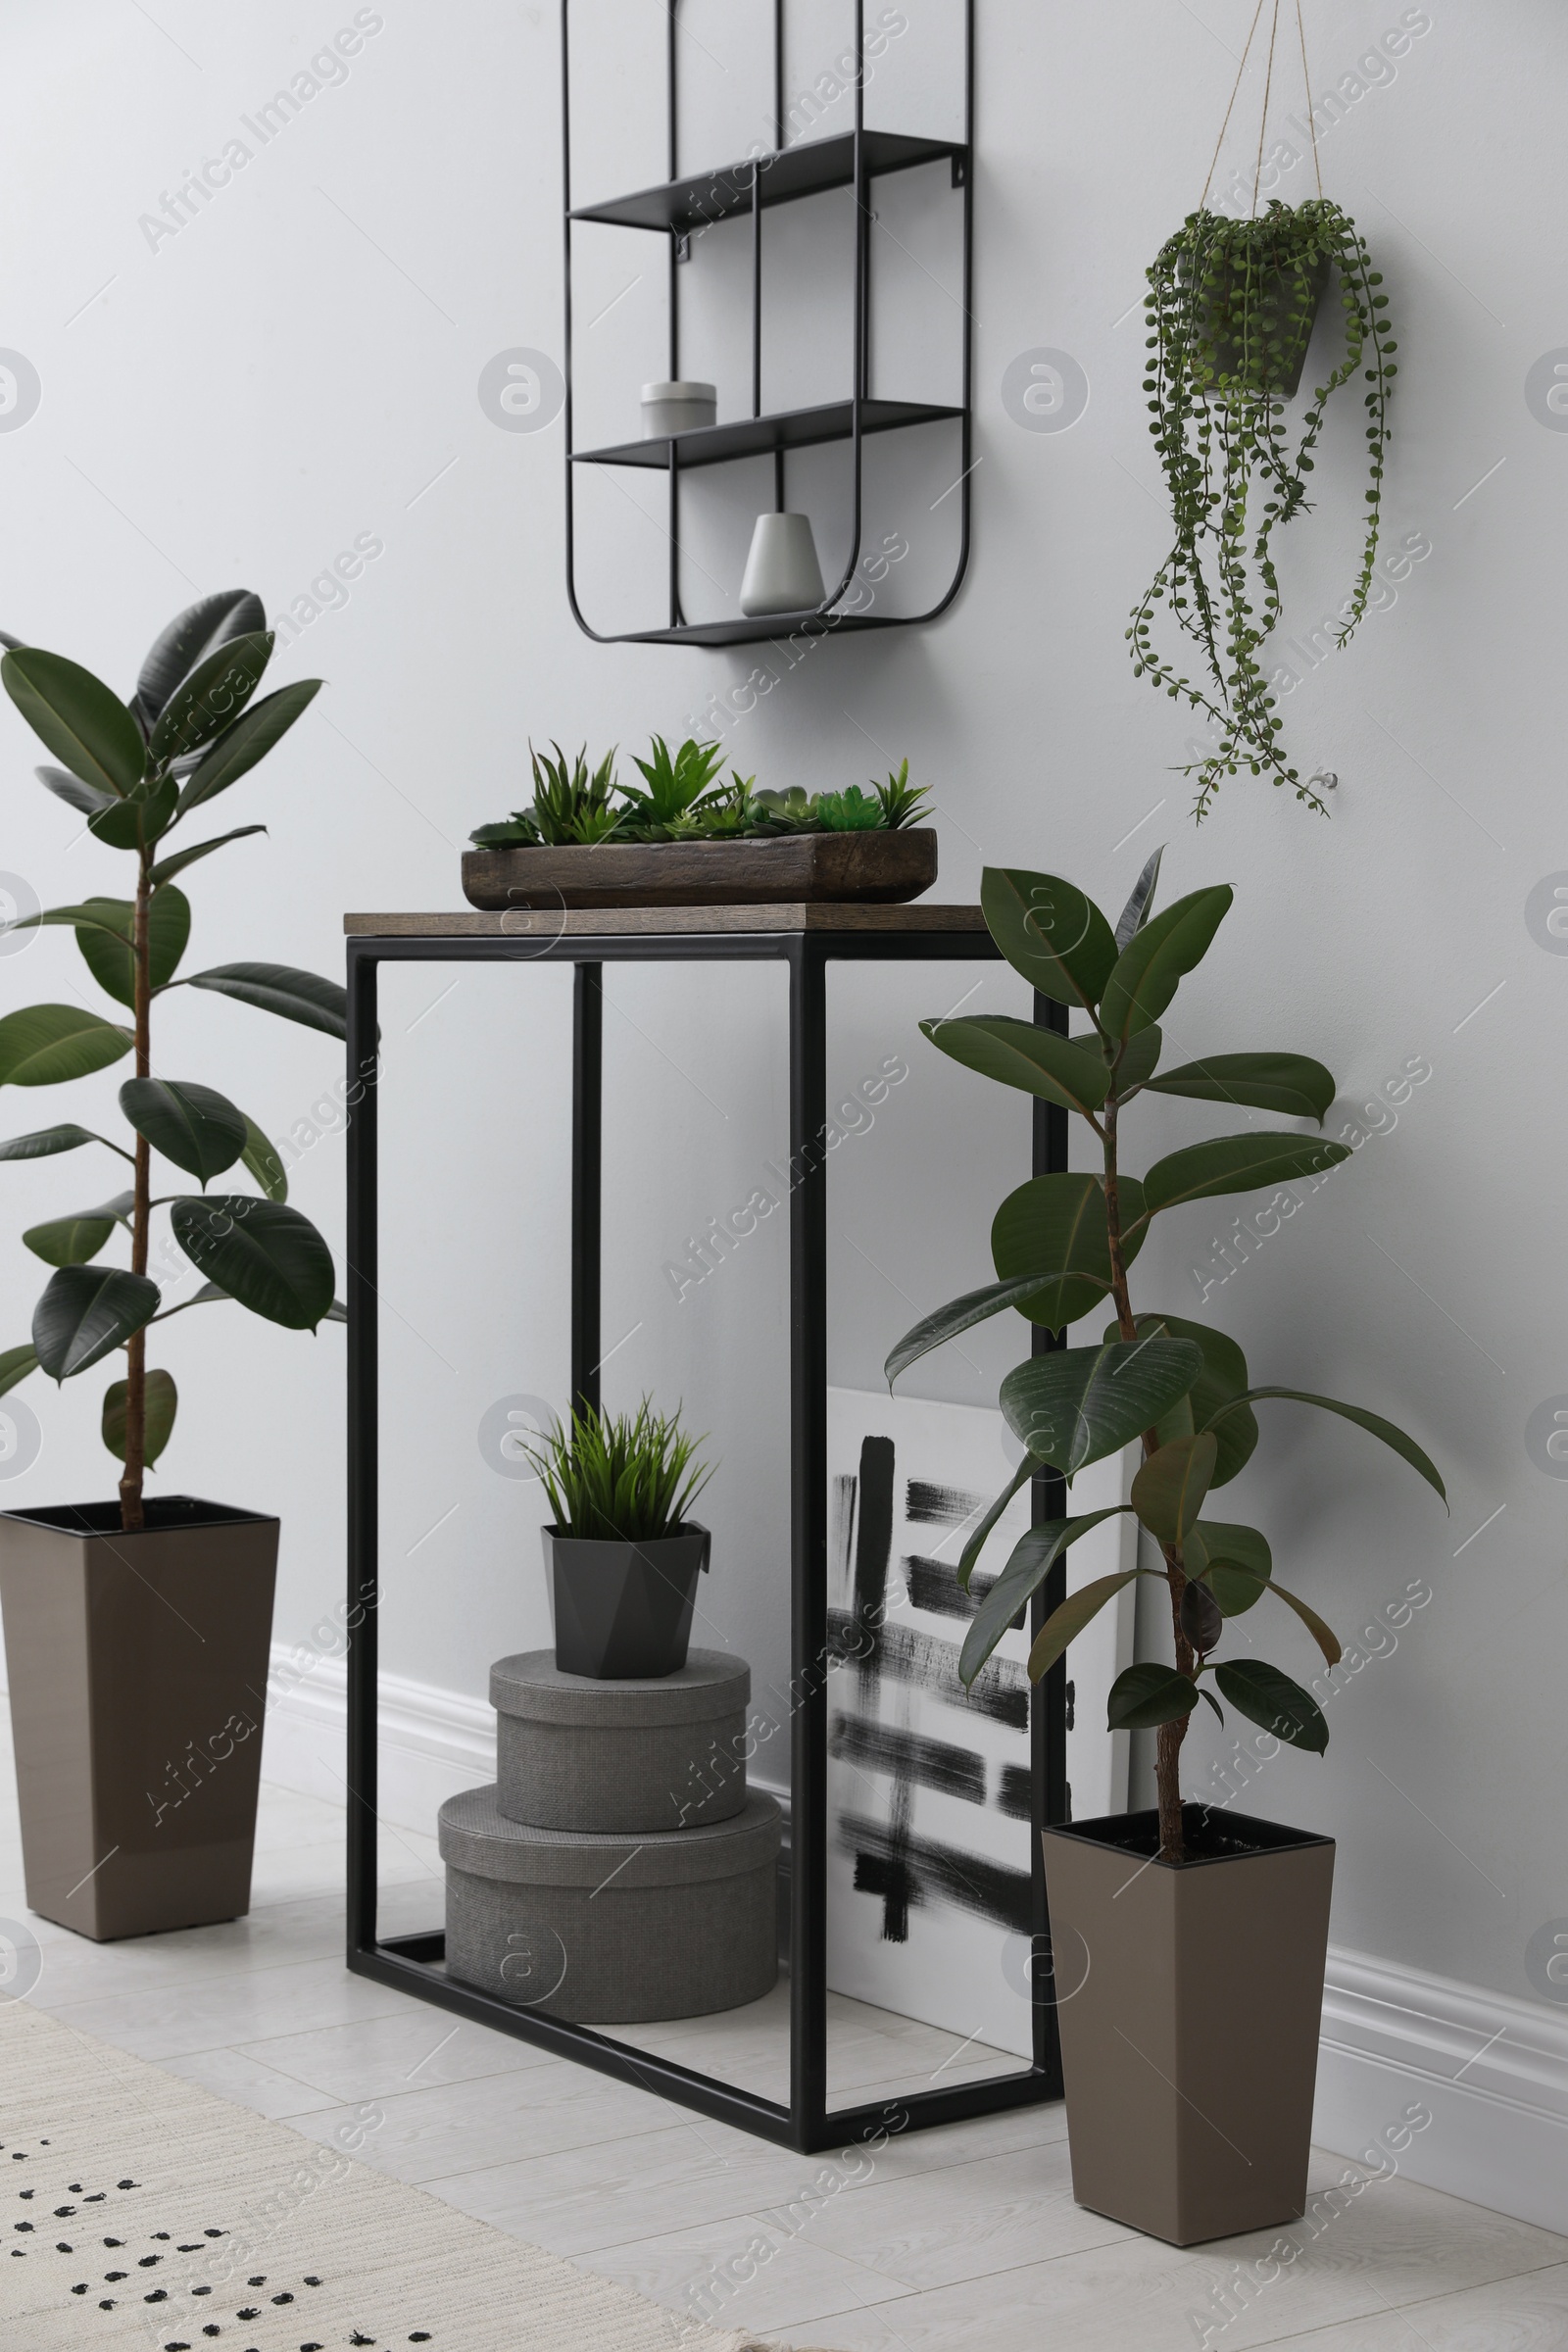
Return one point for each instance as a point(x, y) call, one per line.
point(959, 1314)
point(1142, 1697)
point(1070, 1618)
point(1270, 1699)
point(976, 1542)
point(196, 1127)
point(1020, 1055)
point(87, 1310)
point(1236, 1163)
point(188, 640)
point(44, 1142)
point(69, 1241)
point(77, 717)
point(1066, 1245)
point(1051, 934)
point(190, 730)
point(48, 1044)
point(278, 988)
point(1029, 1563)
point(1168, 1490)
point(144, 817)
point(1157, 958)
point(212, 697)
point(250, 739)
point(1288, 1082)
point(162, 1404)
point(1081, 1404)
point(1223, 1379)
point(106, 947)
point(269, 1257)
point(87, 799)
point(1056, 1226)
point(1233, 1561)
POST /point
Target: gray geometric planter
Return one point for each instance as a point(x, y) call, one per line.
point(633, 1756)
point(611, 1929)
point(624, 1611)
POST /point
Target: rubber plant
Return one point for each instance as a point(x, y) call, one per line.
point(1229, 313)
point(1063, 1245)
point(135, 771)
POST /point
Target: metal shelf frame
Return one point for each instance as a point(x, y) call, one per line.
point(414, 1964)
point(683, 205)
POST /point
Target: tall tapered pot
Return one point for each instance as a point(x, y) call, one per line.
point(1189, 2001)
point(137, 1666)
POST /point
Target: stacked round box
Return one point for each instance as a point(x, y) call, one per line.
point(617, 1871)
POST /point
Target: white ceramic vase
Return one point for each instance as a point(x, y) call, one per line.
point(782, 572)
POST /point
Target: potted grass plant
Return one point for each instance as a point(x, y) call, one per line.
point(137, 1629)
point(1192, 1941)
point(683, 837)
point(622, 1554)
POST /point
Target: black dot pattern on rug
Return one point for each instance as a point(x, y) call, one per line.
point(201, 2291)
point(252, 2310)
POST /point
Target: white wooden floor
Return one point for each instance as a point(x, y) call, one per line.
point(958, 2240)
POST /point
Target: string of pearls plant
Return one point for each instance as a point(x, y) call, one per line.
point(1230, 312)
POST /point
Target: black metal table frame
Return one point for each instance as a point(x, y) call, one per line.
point(407, 1962)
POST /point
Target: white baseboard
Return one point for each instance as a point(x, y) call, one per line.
point(432, 1743)
point(1491, 2071)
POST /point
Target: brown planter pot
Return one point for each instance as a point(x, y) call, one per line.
point(858, 866)
point(1189, 2002)
point(138, 1668)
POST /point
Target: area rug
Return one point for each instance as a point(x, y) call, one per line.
point(138, 2209)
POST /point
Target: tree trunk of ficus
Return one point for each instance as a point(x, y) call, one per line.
point(130, 1503)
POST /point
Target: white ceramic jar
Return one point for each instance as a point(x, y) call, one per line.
point(678, 407)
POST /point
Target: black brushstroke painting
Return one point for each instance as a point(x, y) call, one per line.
point(873, 1552)
point(931, 1505)
point(906, 1871)
point(934, 1763)
point(1015, 1796)
point(1000, 1690)
point(935, 1588)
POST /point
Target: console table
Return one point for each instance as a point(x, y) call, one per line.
point(806, 939)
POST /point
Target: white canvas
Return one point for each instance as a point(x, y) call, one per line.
point(929, 1790)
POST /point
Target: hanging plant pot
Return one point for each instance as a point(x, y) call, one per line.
point(1251, 326)
point(622, 1611)
point(1189, 2001)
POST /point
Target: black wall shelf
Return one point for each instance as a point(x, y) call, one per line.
point(680, 208)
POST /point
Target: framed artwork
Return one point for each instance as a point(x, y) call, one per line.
point(929, 1790)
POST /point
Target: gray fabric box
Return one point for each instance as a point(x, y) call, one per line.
point(611, 1929)
point(580, 1754)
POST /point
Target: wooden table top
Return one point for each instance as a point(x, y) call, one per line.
point(607, 922)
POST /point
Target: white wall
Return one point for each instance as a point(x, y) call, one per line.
point(300, 365)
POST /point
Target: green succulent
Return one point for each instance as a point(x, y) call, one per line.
point(902, 802)
point(678, 789)
point(850, 812)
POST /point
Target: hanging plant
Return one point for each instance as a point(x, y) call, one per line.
point(1230, 312)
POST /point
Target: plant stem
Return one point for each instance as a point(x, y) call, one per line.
point(1167, 1758)
point(131, 1515)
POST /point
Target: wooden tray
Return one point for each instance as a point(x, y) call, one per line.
point(799, 866)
